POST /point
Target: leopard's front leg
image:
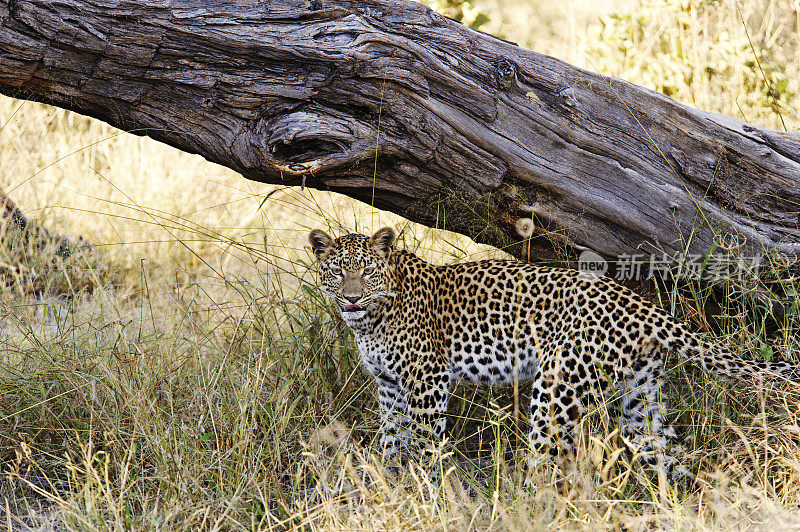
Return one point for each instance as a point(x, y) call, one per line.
point(413, 417)
point(394, 419)
point(420, 413)
point(427, 405)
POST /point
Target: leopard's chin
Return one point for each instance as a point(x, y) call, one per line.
point(352, 313)
point(351, 316)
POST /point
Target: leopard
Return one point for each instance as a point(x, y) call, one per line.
point(580, 339)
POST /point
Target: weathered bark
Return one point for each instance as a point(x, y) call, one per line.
point(391, 103)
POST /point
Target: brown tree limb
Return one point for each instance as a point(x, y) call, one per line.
point(391, 103)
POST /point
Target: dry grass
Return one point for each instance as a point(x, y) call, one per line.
point(187, 374)
point(735, 57)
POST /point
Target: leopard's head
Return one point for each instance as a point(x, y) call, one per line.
point(354, 269)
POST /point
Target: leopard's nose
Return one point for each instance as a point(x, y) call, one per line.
point(352, 299)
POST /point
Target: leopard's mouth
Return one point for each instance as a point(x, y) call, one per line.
point(353, 308)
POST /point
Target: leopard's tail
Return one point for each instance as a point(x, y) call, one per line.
point(715, 358)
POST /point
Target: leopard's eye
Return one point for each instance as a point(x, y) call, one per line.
point(369, 270)
point(335, 270)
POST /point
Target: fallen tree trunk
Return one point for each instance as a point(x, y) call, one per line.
point(393, 104)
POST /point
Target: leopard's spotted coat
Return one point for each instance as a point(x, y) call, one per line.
point(421, 328)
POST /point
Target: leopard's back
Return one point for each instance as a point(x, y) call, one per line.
point(503, 319)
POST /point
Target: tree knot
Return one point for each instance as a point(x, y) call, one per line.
point(504, 73)
point(311, 140)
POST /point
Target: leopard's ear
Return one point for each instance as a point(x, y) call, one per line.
point(383, 241)
point(321, 243)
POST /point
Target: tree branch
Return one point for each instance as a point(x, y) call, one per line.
point(386, 99)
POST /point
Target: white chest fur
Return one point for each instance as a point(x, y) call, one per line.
point(373, 352)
